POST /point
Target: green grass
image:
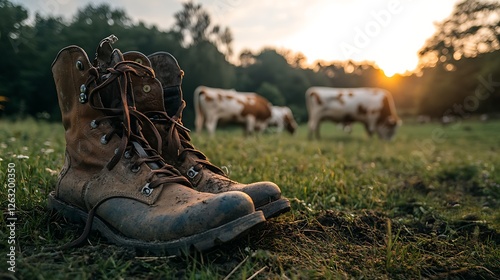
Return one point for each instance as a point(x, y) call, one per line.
point(425, 205)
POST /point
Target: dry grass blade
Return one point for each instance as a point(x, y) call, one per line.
point(256, 273)
point(360, 208)
point(236, 268)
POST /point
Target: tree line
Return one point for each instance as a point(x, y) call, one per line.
point(459, 72)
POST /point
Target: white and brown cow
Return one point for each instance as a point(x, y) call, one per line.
point(374, 107)
point(281, 118)
point(214, 105)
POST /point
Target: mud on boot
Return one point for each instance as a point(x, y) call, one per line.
point(114, 180)
point(178, 150)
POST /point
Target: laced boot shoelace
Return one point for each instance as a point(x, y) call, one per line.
point(178, 141)
point(127, 122)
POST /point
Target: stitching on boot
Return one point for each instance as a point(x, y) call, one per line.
point(64, 170)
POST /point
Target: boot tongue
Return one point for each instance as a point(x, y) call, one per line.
point(104, 53)
point(147, 89)
point(111, 97)
point(169, 73)
point(148, 92)
point(116, 56)
point(107, 57)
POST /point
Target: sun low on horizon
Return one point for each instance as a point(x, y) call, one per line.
point(387, 33)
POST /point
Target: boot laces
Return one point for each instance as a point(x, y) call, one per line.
point(127, 122)
point(178, 141)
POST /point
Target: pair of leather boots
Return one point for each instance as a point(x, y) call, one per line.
point(130, 170)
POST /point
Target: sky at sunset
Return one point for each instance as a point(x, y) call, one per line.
point(388, 32)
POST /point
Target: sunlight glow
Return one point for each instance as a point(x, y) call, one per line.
point(382, 31)
point(392, 65)
point(388, 32)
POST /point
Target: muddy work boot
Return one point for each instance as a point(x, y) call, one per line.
point(115, 181)
point(178, 151)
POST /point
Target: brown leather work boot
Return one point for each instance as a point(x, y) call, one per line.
point(115, 180)
point(178, 151)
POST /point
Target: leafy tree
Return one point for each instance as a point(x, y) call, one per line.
point(92, 23)
point(295, 59)
point(204, 65)
point(471, 29)
point(462, 51)
point(193, 22)
point(194, 25)
point(271, 67)
point(246, 58)
point(15, 46)
point(224, 41)
point(39, 73)
point(271, 93)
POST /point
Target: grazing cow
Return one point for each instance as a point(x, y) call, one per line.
point(423, 119)
point(213, 105)
point(374, 107)
point(282, 117)
point(448, 119)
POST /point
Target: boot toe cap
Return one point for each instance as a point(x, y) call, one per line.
point(262, 192)
point(140, 221)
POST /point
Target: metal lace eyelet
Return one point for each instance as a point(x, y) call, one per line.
point(127, 155)
point(138, 60)
point(104, 141)
point(191, 173)
point(79, 65)
point(135, 169)
point(83, 96)
point(93, 124)
point(146, 88)
point(146, 190)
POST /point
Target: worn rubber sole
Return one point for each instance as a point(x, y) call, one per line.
point(275, 208)
point(198, 242)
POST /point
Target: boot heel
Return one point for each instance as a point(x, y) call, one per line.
point(72, 214)
point(275, 208)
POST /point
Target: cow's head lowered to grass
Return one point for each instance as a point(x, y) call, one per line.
point(282, 118)
point(373, 107)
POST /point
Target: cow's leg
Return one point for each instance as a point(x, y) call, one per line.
point(347, 127)
point(313, 126)
point(211, 124)
point(250, 125)
point(199, 122)
point(280, 126)
point(370, 128)
point(261, 126)
point(318, 126)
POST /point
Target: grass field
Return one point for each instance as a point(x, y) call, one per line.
point(426, 205)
